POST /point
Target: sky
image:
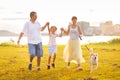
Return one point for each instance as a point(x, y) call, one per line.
point(14, 13)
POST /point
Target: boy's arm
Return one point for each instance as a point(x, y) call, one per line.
point(44, 26)
point(20, 36)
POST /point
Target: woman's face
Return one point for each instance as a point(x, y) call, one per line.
point(74, 21)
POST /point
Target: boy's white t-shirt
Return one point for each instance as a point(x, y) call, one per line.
point(32, 30)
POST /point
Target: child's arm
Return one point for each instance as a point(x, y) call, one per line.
point(60, 35)
point(48, 29)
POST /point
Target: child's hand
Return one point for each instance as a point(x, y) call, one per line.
point(62, 29)
point(47, 23)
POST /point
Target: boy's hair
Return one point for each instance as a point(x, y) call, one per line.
point(74, 17)
point(32, 13)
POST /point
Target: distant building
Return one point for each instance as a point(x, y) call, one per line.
point(84, 26)
point(117, 29)
point(108, 28)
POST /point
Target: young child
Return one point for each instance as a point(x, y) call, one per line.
point(72, 51)
point(52, 48)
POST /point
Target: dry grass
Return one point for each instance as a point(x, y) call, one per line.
point(14, 62)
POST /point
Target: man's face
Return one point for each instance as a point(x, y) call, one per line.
point(34, 17)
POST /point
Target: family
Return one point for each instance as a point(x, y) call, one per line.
point(72, 51)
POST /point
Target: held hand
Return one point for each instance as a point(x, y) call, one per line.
point(18, 42)
point(62, 29)
point(47, 23)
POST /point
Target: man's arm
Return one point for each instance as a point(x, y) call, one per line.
point(20, 36)
point(47, 24)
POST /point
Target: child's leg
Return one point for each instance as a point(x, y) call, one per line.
point(54, 57)
point(48, 66)
point(53, 63)
point(49, 59)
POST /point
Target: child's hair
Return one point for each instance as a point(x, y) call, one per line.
point(53, 27)
point(74, 17)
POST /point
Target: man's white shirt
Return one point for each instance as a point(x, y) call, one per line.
point(32, 30)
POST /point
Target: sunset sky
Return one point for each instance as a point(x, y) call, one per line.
point(14, 13)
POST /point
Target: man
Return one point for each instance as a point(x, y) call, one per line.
point(32, 28)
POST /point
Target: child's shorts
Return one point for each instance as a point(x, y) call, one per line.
point(35, 49)
point(52, 50)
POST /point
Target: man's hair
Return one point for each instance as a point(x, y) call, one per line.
point(74, 17)
point(32, 13)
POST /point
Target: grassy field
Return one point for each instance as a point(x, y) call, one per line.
point(14, 64)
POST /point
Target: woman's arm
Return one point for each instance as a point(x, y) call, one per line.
point(66, 31)
point(79, 30)
point(60, 35)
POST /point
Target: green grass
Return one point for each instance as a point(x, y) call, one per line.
point(14, 62)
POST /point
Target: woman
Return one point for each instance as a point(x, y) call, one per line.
point(72, 51)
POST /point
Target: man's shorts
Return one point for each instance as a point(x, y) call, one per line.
point(35, 49)
point(52, 50)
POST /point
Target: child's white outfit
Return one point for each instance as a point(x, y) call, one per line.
point(72, 51)
point(52, 48)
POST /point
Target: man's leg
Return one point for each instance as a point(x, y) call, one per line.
point(32, 54)
point(30, 64)
point(38, 63)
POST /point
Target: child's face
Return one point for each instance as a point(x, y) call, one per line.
point(53, 29)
